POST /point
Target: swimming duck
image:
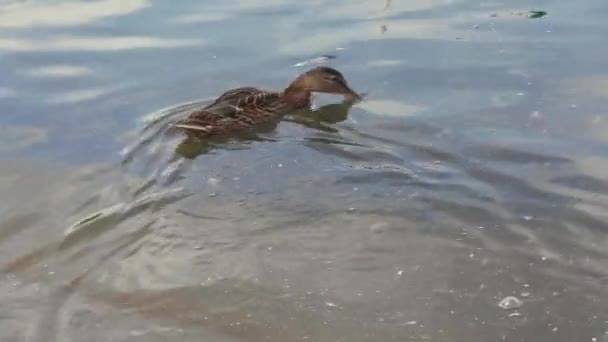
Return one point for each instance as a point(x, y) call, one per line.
point(245, 108)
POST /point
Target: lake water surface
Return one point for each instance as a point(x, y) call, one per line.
point(475, 170)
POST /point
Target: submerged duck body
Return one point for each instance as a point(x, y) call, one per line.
point(246, 108)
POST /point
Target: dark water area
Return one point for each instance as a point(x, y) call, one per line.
point(462, 200)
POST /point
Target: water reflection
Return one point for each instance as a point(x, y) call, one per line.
point(94, 43)
point(25, 14)
point(17, 138)
point(7, 92)
point(474, 170)
point(81, 95)
point(59, 71)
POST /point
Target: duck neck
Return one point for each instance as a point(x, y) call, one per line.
point(297, 95)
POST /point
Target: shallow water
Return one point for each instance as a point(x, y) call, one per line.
point(474, 170)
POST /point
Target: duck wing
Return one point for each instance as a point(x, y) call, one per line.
point(235, 109)
point(227, 103)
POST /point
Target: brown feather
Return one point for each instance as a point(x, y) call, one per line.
point(248, 107)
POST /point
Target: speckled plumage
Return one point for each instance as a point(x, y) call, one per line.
point(248, 107)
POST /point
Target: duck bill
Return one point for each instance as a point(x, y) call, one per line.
point(350, 94)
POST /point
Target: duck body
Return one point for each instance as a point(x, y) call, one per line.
point(246, 108)
point(237, 110)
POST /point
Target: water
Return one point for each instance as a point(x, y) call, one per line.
point(474, 170)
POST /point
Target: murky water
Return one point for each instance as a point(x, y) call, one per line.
point(462, 200)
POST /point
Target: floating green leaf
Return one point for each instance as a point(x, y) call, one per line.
point(536, 14)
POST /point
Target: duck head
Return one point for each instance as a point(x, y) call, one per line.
point(322, 80)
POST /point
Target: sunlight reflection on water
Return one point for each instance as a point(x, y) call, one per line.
point(473, 171)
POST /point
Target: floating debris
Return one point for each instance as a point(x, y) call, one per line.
point(536, 14)
point(316, 60)
point(510, 303)
point(379, 227)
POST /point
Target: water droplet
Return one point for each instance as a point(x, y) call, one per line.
point(411, 323)
point(350, 210)
point(527, 217)
point(572, 106)
point(331, 305)
point(509, 303)
point(515, 314)
point(280, 165)
point(525, 294)
point(400, 272)
point(213, 194)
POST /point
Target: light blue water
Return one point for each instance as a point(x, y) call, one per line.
point(475, 169)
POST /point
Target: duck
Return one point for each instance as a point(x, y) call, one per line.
point(245, 108)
